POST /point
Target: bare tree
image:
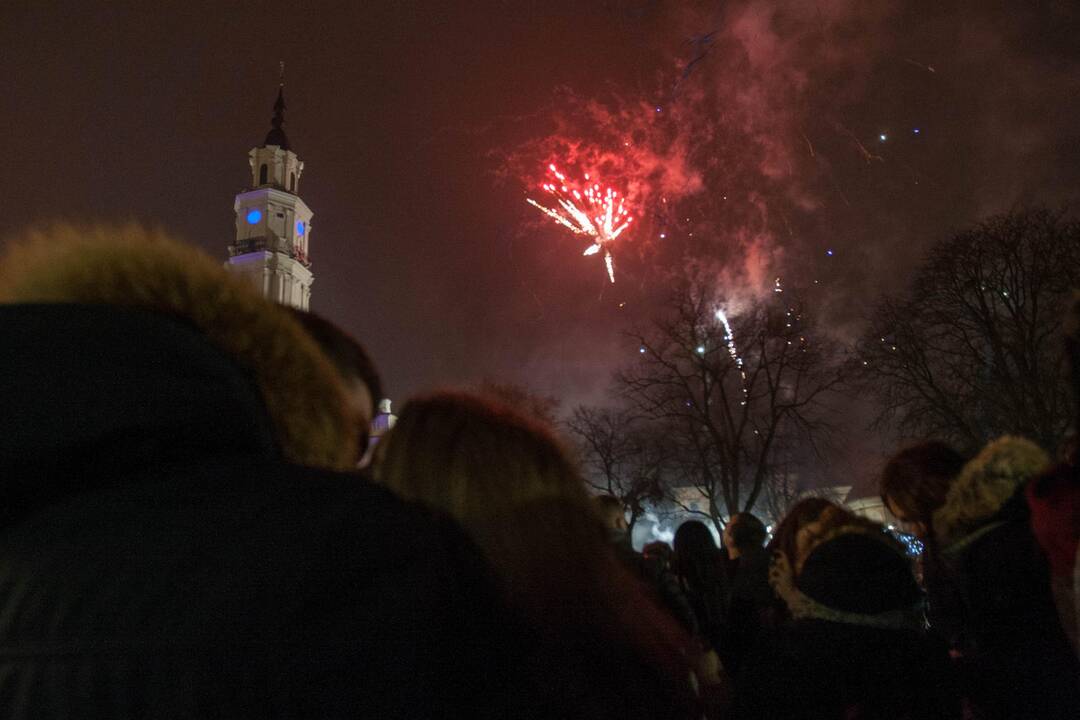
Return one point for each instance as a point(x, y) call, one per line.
point(974, 349)
point(726, 393)
point(621, 456)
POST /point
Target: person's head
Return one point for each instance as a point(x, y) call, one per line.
point(985, 485)
point(693, 539)
point(612, 511)
point(658, 551)
point(852, 565)
point(699, 565)
point(831, 521)
point(474, 459)
point(131, 267)
point(510, 485)
point(743, 534)
point(845, 562)
point(362, 384)
point(915, 482)
point(801, 514)
point(696, 553)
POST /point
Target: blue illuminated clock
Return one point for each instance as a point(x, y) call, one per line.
point(300, 227)
point(254, 216)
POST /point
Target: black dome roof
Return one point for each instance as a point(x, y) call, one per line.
point(277, 136)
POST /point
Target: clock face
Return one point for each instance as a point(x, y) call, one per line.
point(300, 227)
point(254, 216)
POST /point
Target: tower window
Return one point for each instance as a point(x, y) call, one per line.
point(292, 182)
point(262, 174)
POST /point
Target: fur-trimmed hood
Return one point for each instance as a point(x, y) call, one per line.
point(131, 267)
point(848, 570)
point(987, 482)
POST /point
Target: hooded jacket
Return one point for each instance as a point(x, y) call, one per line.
point(853, 648)
point(162, 554)
point(1017, 659)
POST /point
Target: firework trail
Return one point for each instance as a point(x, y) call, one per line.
point(733, 351)
point(729, 337)
point(589, 210)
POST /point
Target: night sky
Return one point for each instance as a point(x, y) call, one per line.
point(422, 125)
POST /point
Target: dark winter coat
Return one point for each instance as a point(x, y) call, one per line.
point(827, 670)
point(158, 558)
point(1017, 661)
point(1054, 502)
point(706, 587)
point(748, 610)
point(853, 648)
point(167, 548)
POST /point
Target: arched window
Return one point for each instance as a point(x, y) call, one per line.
point(292, 182)
point(262, 174)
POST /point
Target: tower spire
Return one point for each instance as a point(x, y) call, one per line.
point(273, 224)
point(277, 136)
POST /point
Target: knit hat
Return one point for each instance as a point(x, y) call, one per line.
point(858, 574)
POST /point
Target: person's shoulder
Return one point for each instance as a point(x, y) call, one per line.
point(361, 511)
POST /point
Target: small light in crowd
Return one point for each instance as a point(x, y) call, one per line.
point(916, 131)
point(883, 137)
point(829, 252)
point(700, 349)
point(641, 349)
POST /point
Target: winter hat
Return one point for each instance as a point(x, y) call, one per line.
point(850, 572)
point(859, 574)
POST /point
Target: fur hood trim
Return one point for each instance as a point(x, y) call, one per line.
point(984, 485)
point(804, 607)
point(833, 523)
point(135, 267)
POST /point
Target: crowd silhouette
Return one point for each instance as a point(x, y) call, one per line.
point(193, 526)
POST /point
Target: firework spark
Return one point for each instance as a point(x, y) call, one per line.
point(587, 209)
point(729, 340)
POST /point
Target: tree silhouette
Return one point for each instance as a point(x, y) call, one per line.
point(622, 455)
point(725, 395)
point(974, 349)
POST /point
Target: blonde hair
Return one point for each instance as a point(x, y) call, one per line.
point(475, 460)
point(507, 481)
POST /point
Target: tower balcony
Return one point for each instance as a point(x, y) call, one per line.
point(272, 244)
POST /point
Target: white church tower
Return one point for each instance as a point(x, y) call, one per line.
point(273, 225)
